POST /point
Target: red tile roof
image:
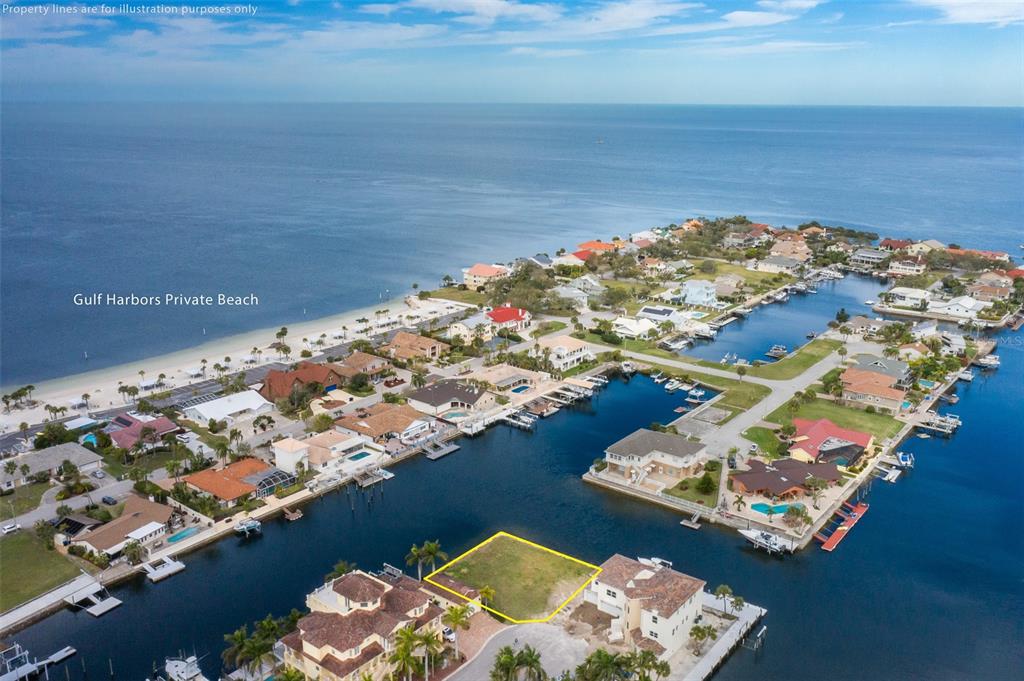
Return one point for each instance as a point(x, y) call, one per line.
point(811, 435)
point(482, 270)
point(895, 244)
point(595, 246)
point(278, 384)
point(127, 437)
point(584, 255)
point(505, 314)
point(227, 483)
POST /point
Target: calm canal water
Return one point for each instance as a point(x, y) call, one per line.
point(927, 586)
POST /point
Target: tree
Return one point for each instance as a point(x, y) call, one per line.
point(815, 485)
point(738, 603)
point(234, 655)
point(602, 665)
point(741, 371)
point(174, 467)
point(341, 568)
point(134, 552)
point(487, 595)
point(10, 467)
point(431, 553)
point(419, 379)
point(415, 557)
point(723, 592)
point(706, 484)
point(290, 674)
point(322, 422)
point(842, 316)
point(404, 657)
point(456, 617)
point(739, 502)
point(504, 668)
point(699, 634)
point(528, 665)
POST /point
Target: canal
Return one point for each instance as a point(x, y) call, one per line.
point(929, 585)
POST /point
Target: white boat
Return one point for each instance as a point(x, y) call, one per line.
point(966, 375)
point(988, 362)
point(672, 386)
point(182, 669)
point(654, 561)
point(870, 302)
point(388, 475)
point(628, 368)
point(696, 392)
point(772, 543)
point(777, 351)
point(905, 459)
point(660, 379)
point(686, 386)
point(248, 526)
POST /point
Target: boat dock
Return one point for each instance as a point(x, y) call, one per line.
point(851, 515)
point(365, 478)
point(15, 663)
point(523, 420)
point(162, 568)
point(435, 450)
point(693, 523)
point(94, 599)
point(939, 423)
point(291, 515)
point(735, 636)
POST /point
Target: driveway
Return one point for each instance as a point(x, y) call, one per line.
point(558, 650)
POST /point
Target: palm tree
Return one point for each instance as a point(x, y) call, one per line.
point(404, 658)
point(603, 666)
point(431, 646)
point(134, 552)
point(174, 467)
point(85, 399)
point(415, 557)
point(505, 665)
point(419, 379)
point(487, 595)
point(290, 674)
point(431, 552)
point(234, 655)
point(259, 650)
point(739, 502)
point(722, 592)
point(456, 617)
point(341, 568)
point(528, 663)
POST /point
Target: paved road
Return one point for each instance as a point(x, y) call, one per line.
point(559, 651)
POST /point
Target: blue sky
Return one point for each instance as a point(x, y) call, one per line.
point(877, 52)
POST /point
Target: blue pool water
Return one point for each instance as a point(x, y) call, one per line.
point(907, 405)
point(183, 534)
point(521, 389)
point(927, 385)
point(360, 455)
point(90, 438)
point(777, 508)
point(455, 415)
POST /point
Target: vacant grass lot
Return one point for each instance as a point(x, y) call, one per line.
point(525, 578)
point(755, 279)
point(741, 395)
point(547, 327)
point(763, 438)
point(28, 569)
point(22, 500)
point(690, 492)
point(797, 363)
point(459, 295)
point(880, 425)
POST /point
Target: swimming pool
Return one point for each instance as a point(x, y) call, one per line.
point(360, 455)
point(456, 415)
point(521, 389)
point(776, 509)
point(907, 405)
point(183, 534)
point(927, 385)
point(90, 438)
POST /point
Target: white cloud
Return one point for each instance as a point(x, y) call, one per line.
point(997, 12)
point(546, 53)
point(476, 12)
point(737, 19)
point(47, 26)
point(778, 47)
point(788, 5)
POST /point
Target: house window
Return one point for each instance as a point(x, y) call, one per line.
point(610, 592)
point(654, 619)
point(652, 634)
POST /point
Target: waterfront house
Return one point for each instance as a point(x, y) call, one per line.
point(902, 296)
point(869, 388)
point(998, 256)
point(995, 278)
point(961, 307)
point(509, 318)
point(728, 285)
point(699, 292)
point(628, 327)
point(450, 395)
point(775, 264)
point(783, 478)
point(324, 452)
point(384, 422)
point(987, 294)
point(644, 235)
point(924, 329)
point(867, 259)
point(667, 458)
point(660, 314)
point(822, 441)
point(652, 607)
point(568, 260)
point(354, 619)
point(406, 346)
point(892, 245)
point(472, 327)
point(953, 344)
point(281, 384)
point(596, 246)
point(564, 352)
point(896, 369)
point(126, 429)
point(911, 352)
point(906, 267)
point(141, 521)
point(243, 478)
point(49, 461)
point(862, 325)
point(362, 363)
point(925, 247)
point(480, 274)
point(797, 250)
point(230, 408)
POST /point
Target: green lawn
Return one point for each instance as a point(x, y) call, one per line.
point(547, 327)
point(30, 569)
point(751, 278)
point(741, 395)
point(880, 425)
point(24, 499)
point(797, 363)
point(691, 493)
point(114, 464)
point(527, 580)
point(763, 438)
point(459, 295)
point(644, 346)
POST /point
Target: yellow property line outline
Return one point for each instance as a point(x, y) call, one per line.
point(596, 571)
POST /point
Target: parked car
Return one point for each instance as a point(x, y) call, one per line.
point(10, 528)
point(448, 634)
point(732, 462)
point(182, 437)
point(99, 475)
point(753, 448)
point(109, 501)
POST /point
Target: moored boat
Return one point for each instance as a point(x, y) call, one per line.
point(772, 543)
point(248, 526)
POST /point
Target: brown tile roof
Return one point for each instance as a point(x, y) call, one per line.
point(358, 588)
point(363, 361)
point(381, 419)
point(345, 632)
point(138, 512)
point(444, 580)
point(227, 483)
point(407, 345)
point(663, 589)
point(783, 476)
point(482, 270)
point(872, 383)
point(278, 384)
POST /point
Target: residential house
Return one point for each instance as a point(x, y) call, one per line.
point(898, 370)
point(822, 441)
point(961, 307)
point(597, 246)
point(629, 327)
point(782, 479)
point(653, 607)
point(324, 452)
point(925, 247)
point(902, 296)
point(775, 264)
point(654, 266)
point(581, 290)
point(870, 388)
point(564, 352)
point(476, 325)
point(542, 260)
point(737, 240)
point(797, 250)
point(49, 461)
point(906, 268)
point(508, 318)
point(584, 255)
point(579, 299)
point(384, 422)
point(995, 278)
point(350, 631)
point(868, 258)
point(861, 325)
point(699, 292)
point(660, 314)
point(924, 329)
point(359, 362)
point(406, 346)
point(568, 260)
point(911, 352)
point(648, 235)
point(141, 521)
point(243, 478)
point(450, 395)
point(988, 294)
point(998, 256)
point(480, 274)
point(647, 452)
point(728, 285)
point(230, 408)
point(892, 245)
point(126, 429)
point(281, 384)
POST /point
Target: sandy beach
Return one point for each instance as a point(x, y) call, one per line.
point(101, 385)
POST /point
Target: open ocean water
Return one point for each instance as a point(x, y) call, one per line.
point(323, 208)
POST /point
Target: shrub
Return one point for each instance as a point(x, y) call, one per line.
point(713, 465)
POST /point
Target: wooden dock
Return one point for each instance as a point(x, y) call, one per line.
point(850, 518)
